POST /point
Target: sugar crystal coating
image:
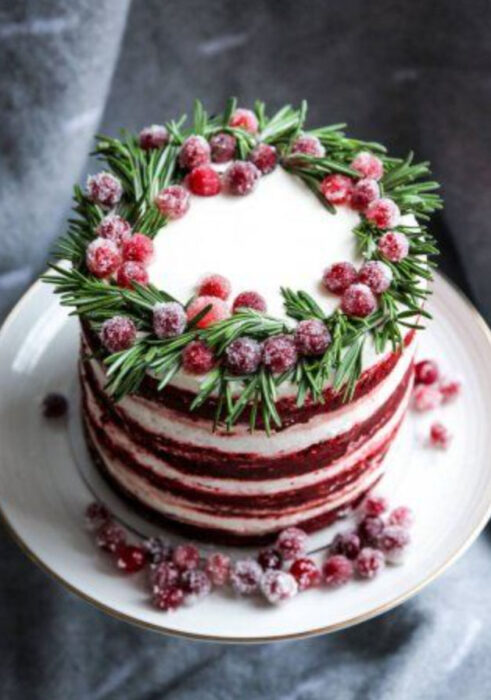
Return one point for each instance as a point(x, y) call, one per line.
point(153, 136)
point(376, 275)
point(173, 201)
point(312, 337)
point(369, 563)
point(374, 505)
point(163, 575)
point(394, 246)
point(264, 157)
point(279, 353)
point(223, 147)
point(244, 119)
point(306, 573)
point(358, 300)
point(114, 228)
point(204, 181)
point(218, 310)
point(215, 286)
point(102, 257)
point(337, 570)
point(393, 543)
point(336, 188)
point(104, 189)
point(245, 576)
point(292, 543)
point(402, 515)
point(383, 212)
point(168, 599)
point(131, 272)
point(217, 567)
point(363, 192)
point(138, 248)
point(169, 319)
point(369, 529)
point(339, 276)
point(249, 300)
point(195, 585)
point(158, 550)
point(194, 151)
point(186, 556)
point(243, 355)
point(240, 178)
point(118, 333)
point(110, 536)
point(278, 586)
point(308, 145)
point(197, 357)
point(368, 165)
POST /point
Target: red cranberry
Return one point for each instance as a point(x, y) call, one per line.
point(114, 228)
point(249, 300)
point(186, 556)
point(426, 398)
point(173, 201)
point(240, 178)
point(54, 405)
point(110, 536)
point(218, 568)
point(426, 372)
point(245, 576)
point(394, 246)
point(337, 570)
point(96, 514)
point(196, 585)
point(243, 355)
point(168, 599)
point(197, 357)
point(278, 586)
point(336, 188)
point(131, 273)
point(369, 563)
point(449, 389)
point(169, 319)
point(384, 213)
point(215, 286)
point(223, 147)
point(279, 353)
point(306, 573)
point(104, 189)
point(264, 158)
point(358, 300)
point(440, 436)
point(376, 275)
point(102, 257)
point(194, 151)
point(154, 136)
point(368, 165)
point(270, 558)
point(364, 192)
point(163, 575)
point(204, 181)
point(244, 119)
point(346, 543)
point(374, 505)
point(218, 311)
point(339, 276)
point(312, 337)
point(393, 543)
point(138, 248)
point(118, 333)
point(292, 543)
point(402, 515)
point(369, 529)
point(309, 146)
point(130, 558)
point(158, 550)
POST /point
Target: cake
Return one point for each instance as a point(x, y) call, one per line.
point(250, 294)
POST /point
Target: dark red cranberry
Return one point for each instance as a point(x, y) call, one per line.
point(130, 558)
point(306, 573)
point(270, 558)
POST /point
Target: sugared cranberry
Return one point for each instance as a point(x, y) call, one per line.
point(336, 188)
point(309, 146)
point(270, 558)
point(279, 353)
point(292, 543)
point(215, 286)
point(114, 228)
point(194, 151)
point(204, 181)
point(402, 515)
point(394, 246)
point(337, 570)
point(312, 337)
point(243, 355)
point(217, 567)
point(138, 248)
point(440, 436)
point(104, 189)
point(158, 550)
point(131, 273)
point(249, 300)
point(173, 201)
point(369, 529)
point(154, 136)
point(364, 192)
point(346, 543)
point(426, 372)
point(383, 212)
point(264, 158)
point(196, 585)
point(369, 563)
point(118, 333)
point(218, 311)
point(96, 514)
point(102, 257)
point(339, 276)
point(240, 178)
point(168, 599)
point(374, 505)
point(426, 398)
point(449, 389)
point(169, 319)
point(245, 576)
point(306, 573)
point(358, 300)
point(223, 147)
point(376, 275)
point(197, 357)
point(110, 536)
point(393, 543)
point(163, 575)
point(130, 558)
point(54, 405)
point(278, 586)
point(244, 119)
point(186, 556)
point(368, 165)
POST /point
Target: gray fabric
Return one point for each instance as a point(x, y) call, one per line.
point(411, 74)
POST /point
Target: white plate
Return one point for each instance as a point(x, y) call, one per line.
point(44, 490)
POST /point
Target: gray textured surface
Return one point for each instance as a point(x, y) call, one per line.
point(412, 74)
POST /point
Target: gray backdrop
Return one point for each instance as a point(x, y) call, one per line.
point(414, 75)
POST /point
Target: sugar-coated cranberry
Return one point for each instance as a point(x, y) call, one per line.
point(196, 585)
point(186, 556)
point(369, 529)
point(168, 599)
point(102, 257)
point(204, 181)
point(309, 146)
point(279, 353)
point(153, 136)
point(194, 151)
point(217, 567)
point(306, 573)
point(368, 165)
point(449, 389)
point(130, 558)
point(358, 300)
point(138, 248)
point(218, 310)
point(215, 286)
point(369, 563)
point(245, 576)
point(270, 558)
point(244, 119)
point(346, 543)
point(312, 337)
point(158, 550)
point(440, 436)
point(131, 273)
point(104, 189)
point(292, 543)
point(118, 333)
point(240, 178)
point(376, 275)
point(426, 372)
point(110, 536)
point(96, 514)
point(374, 505)
point(264, 158)
point(197, 357)
point(339, 276)
point(278, 586)
point(223, 147)
point(173, 201)
point(337, 570)
point(114, 228)
point(394, 246)
point(163, 575)
point(249, 300)
point(393, 543)
point(169, 319)
point(383, 212)
point(426, 398)
point(243, 355)
point(402, 515)
point(364, 192)
point(336, 188)
point(54, 405)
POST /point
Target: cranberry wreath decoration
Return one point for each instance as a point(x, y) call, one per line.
point(147, 183)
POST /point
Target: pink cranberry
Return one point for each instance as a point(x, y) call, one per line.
point(270, 558)
point(346, 543)
point(173, 201)
point(168, 599)
point(426, 372)
point(358, 300)
point(215, 286)
point(306, 573)
point(104, 189)
point(244, 119)
point(96, 514)
point(309, 146)
point(240, 178)
point(292, 543)
point(186, 556)
point(218, 311)
point(131, 273)
point(336, 188)
point(195, 585)
point(102, 257)
point(364, 192)
point(118, 333)
point(197, 357)
point(169, 319)
point(164, 575)
point(243, 355)
point(264, 158)
point(394, 246)
point(158, 550)
point(194, 151)
point(426, 398)
point(402, 515)
point(339, 276)
point(110, 536)
point(393, 543)
point(249, 300)
point(369, 563)
point(130, 558)
point(245, 576)
point(440, 436)
point(204, 181)
point(374, 505)
point(54, 405)
point(138, 248)
point(337, 570)
point(312, 337)
point(383, 212)
point(376, 275)
point(218, 568)
point(278, 586)
point(279, 353)
point(449, 389)
point(368, 165)
point(369, 529)
point(154, 136)
point(114, 228)
point(223, 147)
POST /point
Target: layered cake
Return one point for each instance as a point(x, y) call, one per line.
point(250, 294)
